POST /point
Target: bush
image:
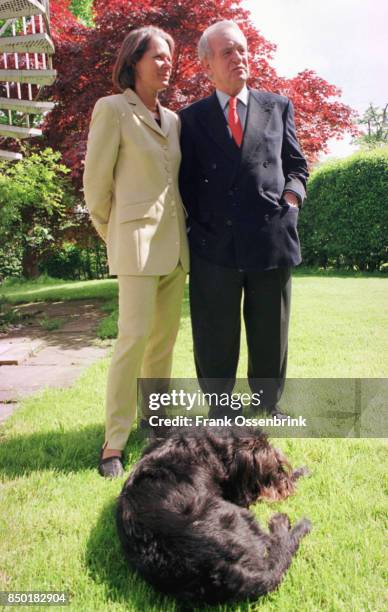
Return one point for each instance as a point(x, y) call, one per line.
point(35, 198)
point(78, 262)
point(345, 219)
point(10, 261)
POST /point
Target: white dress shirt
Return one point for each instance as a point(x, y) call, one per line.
point(242, 105)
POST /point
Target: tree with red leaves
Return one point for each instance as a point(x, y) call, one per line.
point(85, 57)
point(64, 26)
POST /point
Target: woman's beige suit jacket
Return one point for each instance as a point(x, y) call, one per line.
point(131, 186)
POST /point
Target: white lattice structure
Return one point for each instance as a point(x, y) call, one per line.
point(26, 51)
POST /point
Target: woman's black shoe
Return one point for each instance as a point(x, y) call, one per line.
point(110, 467)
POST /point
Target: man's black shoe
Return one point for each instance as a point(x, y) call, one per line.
point(275, 411)
point(268, 411)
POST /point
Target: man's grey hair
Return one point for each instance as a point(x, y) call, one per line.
point(204, 49)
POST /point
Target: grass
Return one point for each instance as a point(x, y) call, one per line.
point(51, 290)
point(51, 323)
point(338, 323)
point(46, 289)
point(57, 514)
point(107, 328)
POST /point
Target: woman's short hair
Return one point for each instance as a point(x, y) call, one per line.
point(132, 49)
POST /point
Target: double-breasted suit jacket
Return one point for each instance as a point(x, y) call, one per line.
point(130, 186)
point(238, 216)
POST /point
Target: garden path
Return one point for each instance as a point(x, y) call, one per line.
point(50, 347)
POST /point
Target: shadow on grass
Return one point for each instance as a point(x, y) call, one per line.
point(105, 563)
point(63, 451)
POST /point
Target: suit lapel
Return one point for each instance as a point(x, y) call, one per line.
point(212, 117)
point(165, 120)
point(258, 114)
point(142, 112)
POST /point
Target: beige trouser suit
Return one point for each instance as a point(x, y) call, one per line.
point(131, 191)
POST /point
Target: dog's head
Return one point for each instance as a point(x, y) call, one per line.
point(257, 470)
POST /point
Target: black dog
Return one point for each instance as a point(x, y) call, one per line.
point(182, 520)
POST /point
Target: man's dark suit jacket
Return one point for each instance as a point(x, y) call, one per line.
point(238, 217)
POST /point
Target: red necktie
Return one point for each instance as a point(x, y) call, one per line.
point(234, 122)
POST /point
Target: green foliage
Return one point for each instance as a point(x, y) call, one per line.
point(77, 262)
point(376, 121)
point(345, 219)
point(108, 326)
point(35, 195)
point(83, 9)
point(51, 324)
point(10, 260)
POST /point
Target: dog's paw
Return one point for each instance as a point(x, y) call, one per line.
point(299, 472)
point(302, 528)
point(279, 522)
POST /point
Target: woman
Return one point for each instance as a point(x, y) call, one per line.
point(131, 191)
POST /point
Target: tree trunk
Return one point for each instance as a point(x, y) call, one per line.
point(30, 264)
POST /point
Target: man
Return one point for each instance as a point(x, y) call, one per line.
point(242, 180)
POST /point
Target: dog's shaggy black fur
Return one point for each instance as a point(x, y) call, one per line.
point(183, 522)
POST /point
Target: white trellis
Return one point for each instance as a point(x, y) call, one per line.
point(26, 51)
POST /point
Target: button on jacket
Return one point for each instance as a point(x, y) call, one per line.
point(131, 186)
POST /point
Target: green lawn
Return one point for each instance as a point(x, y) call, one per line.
point(57, 514)
point(338, 324)
point(51, 289)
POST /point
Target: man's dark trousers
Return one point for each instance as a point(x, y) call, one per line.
point(217, 295)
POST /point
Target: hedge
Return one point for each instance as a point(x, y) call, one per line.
point(344, 222)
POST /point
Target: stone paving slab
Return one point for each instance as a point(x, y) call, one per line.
point(5, 347)
point(16, 350)
point(77, 356)
point(17, 382)
point(48, 359)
